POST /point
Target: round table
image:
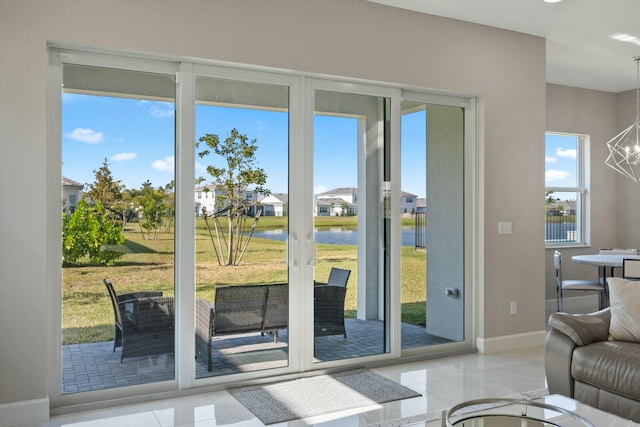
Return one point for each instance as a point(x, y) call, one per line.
point(605, 263)
point(603, 260)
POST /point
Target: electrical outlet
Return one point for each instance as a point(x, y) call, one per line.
point(514, 307)
point(505, 227)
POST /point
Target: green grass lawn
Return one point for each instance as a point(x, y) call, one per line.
point(87, 315)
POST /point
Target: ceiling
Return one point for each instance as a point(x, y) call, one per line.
point(581, 48)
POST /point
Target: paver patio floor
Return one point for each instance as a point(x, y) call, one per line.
point(95, 366)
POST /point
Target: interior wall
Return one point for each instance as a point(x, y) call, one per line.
point(628, 191)
point(350, 38)
point(593, 113)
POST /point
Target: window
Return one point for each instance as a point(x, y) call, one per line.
point(565, 188)
point(131, 196)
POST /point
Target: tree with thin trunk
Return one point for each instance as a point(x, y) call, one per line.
point(152, 204)
point(105, 190)
point(232, 175)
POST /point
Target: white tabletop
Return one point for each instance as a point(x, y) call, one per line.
point(603, 260)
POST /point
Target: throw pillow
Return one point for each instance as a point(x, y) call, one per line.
point(625, 309)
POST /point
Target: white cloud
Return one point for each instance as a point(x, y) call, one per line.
point(89, 136)
point(165, 165)
point(555, 175)
point(123, 156)
point(161, 110)
point(560, 152)
point(549, 159)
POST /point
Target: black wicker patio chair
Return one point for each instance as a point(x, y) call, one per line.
point(328, 311)
point(144, 322)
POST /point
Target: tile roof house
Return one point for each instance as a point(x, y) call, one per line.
point(71, 194)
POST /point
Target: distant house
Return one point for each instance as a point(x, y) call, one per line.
point(348, 194)
point(337, 202)
point(561, 208)
point(408, 203)
point(343, 201)
point(206, 199)
point(421, 206)
point(71, 194)
point(275, 204)
point(322, 207)
point(334, 207)
point(271, 205)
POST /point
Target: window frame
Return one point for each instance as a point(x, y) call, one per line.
point(300, 252)
point(581, 190)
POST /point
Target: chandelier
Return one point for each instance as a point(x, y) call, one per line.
point(624, 148)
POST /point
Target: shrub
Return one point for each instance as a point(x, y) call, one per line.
point(89, 232)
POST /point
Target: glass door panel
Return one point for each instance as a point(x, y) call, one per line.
point(241, 204)
point(350, 290)
point(118, 147)
point(432, 211)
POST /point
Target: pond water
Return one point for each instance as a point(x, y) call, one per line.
point(335, 236)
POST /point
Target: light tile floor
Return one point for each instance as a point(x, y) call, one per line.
point(442, 382)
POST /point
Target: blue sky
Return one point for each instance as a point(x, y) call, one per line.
point(137, 139)
point(560, 164)
point(560, 160)
point(413, 156)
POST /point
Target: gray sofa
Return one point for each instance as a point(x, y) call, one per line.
point(581, 363)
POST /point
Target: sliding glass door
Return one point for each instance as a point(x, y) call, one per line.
point(117, 212)
point(222, 224)
point(242, 226)
point(350, 288)
point(433, 282)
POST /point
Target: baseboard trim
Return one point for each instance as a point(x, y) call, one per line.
point(25, 412)
point(511, 342)
point(573, 303)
